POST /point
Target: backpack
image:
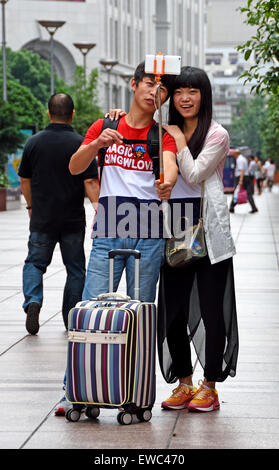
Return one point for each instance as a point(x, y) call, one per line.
point(152, 145)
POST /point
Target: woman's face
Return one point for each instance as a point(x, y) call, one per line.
point(187, 102)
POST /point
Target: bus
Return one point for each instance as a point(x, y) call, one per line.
point(228, 172)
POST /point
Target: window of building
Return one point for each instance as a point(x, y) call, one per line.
point(213, 59)
point(233, 58)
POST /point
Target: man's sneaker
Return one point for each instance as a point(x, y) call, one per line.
point(32, 318)
point(63, 406)
point(180, 398)
point(206, 399)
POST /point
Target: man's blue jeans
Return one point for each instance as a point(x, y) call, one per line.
point(40, 250)
point(97, 275)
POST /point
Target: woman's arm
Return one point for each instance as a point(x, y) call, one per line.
point(214, 151)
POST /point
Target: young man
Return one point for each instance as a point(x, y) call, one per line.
point(128, 202)
point(55, 202)
point(128, 213)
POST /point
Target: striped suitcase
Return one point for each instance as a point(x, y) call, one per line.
point(111, 354)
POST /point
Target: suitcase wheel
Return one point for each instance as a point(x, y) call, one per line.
point(124, 417)
point(73, 415)
point(144, 415)
point(92, 412)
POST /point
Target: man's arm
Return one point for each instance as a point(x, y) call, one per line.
point(25, 184)
point(81, 160)
point(92, 190)
point(170, 176)
point(241, 176)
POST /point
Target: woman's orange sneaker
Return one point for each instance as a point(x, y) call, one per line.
point(206, 399)
point(180, 398)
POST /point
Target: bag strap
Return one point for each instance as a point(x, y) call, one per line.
point(202, 198)
point(108, 124)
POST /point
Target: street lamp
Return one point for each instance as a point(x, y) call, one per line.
point(127, 78)
point(51, 27)
point(4, 58)
point(108, 65)
point(84, 49)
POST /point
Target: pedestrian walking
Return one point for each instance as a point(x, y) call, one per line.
point(259, 175)
point(242, 178)
point(128, 202)
point(197, 302)
point(55, 203)
point(270, 173)
point(252, 168)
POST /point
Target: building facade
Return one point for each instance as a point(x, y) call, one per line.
point(225, 30)
point(123, 31)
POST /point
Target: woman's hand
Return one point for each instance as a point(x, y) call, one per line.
point(115, 114)
point(178, 136)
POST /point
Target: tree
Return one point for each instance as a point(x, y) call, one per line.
point(270, 130)
point(265, 44)
point(10, 137)
point(84, 95)
point(246, 127)
point(33, 72)
point(22, 110)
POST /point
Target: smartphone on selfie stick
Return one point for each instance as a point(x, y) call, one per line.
point(158, 65)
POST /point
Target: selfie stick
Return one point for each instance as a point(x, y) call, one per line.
point(158, 80)
point(165, 205)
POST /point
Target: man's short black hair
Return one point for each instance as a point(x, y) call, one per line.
point(61, 106)
point(139, 74)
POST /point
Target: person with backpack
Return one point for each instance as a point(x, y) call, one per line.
point(128, 214)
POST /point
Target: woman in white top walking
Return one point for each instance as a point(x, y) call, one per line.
point(197, 303)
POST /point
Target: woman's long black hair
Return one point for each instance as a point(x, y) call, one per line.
point(193, 77)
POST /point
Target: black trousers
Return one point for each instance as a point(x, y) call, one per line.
point(248, 185)
point(211, 281)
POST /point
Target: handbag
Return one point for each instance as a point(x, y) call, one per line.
point(240, 195)
point(191, 246)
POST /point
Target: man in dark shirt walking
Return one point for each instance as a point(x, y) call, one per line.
point(55, 201)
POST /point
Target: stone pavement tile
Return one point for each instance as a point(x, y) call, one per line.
point(257, 280)
point(103, 432)
point(215, 430)
point(251, 247)
point(229, 440)
point(256, 261)
point(12, 439)
point(26, 405)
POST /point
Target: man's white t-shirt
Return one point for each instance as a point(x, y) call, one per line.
point(241, 164)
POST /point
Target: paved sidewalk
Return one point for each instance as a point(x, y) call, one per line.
point(32, 367)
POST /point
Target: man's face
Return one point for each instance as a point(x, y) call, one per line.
point(145, 93)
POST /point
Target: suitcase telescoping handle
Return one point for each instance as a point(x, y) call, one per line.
point(125, 252)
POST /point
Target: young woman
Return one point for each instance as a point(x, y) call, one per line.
point(197, 303)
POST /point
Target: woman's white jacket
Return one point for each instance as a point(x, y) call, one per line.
point(208, 167)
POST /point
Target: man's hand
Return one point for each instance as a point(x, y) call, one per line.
point(163, 190)
point(109, 137)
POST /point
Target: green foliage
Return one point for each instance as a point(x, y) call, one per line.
point(245, 129)
point(264, 14)
point(10, 137)
point(84, 95)
point(270, 129)
point(28, 109)
point(33, 72)
point(257, 126)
